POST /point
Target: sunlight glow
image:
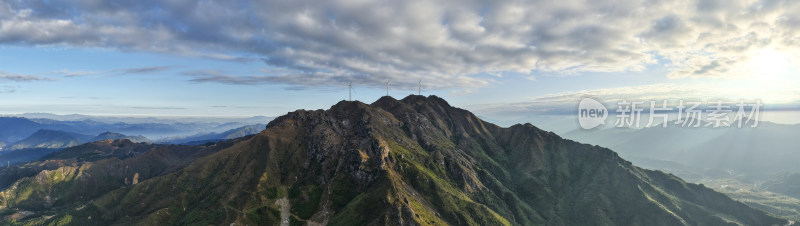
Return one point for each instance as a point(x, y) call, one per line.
point(768, 65)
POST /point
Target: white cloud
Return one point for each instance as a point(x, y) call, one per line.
point(774, 97)
point(8, 76)
point(323, 43)
point(112, 72)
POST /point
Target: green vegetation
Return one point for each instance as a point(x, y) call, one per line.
point(363, 208)
point(275, 192)
point(264, 215)
point(344, 190)
point(758, 197)
point(305, 200)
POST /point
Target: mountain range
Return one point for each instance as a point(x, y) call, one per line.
point(50, 139)
point(45, 141)
point(415, 161)
point(788, 184)
point(54, 139)
point(214, 137)
point(766, 149)
point(14, 129)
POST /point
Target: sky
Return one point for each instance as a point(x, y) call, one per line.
point(504, 60)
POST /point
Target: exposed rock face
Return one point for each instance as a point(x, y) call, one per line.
point(135, 178)
point(416, 161)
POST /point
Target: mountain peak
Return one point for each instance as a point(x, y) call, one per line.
point(49, 131)
point(386, 102)
point(429, 100)
point(118, 136)
point(412, 143)
point(386, 98)
point(54, 139)
point(346, 105)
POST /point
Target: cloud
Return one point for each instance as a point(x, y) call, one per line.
point(70, 73)
point(158, 108)
point(140, 70)
point(113, 72)
point(777, 97)
point(705, 67)
point(445, 42)
point(76, 97)
point(8, 89)
point(7, 76)
point(236, 107)
point(201, 76)
point(323, 79)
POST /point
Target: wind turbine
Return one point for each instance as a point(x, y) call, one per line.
point(350, 88)
point(387, 87)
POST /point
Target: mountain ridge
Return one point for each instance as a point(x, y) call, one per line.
point(51, 139)
point(119, 136)
point(215, 137)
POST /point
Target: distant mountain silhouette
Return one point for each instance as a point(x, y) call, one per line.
point(51, 139)
point(118, 136)
point(54, 139)
point(788, 184)
point(215, 137)
point(766, 149)
point(14, 129)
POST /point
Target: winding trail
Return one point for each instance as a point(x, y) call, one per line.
point(283, 203)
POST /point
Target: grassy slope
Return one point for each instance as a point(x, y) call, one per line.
point(67, 180)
